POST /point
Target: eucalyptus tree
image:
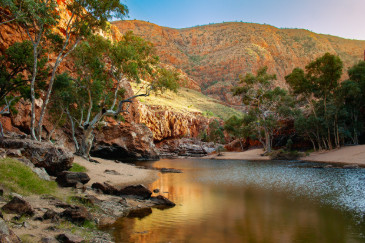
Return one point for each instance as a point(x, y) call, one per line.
point(96, 91)
point(16, 67)
point(83, 18)
point(266, 105)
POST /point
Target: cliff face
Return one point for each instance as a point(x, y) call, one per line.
point(215, 55)
point(169, 124)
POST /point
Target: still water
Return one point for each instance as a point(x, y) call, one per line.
point(246, 201)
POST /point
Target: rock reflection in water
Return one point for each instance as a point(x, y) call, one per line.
point(209, 210)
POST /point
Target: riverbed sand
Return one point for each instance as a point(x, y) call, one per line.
point(347, 155)
point(252, 154)
point(120, 174)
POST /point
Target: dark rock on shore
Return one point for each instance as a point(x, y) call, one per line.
point(76, 214)
point(52, 215)
point(69, 238)
point(70, 179)
point(19, 206)
point(138, 191)
point(105, 188)
point(6, 235)
point(54, 159)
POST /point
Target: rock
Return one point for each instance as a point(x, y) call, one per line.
point(7, 235)
point(156, 190)
point(170, 170)
point(52, 215)
point(1, 215)
point(41, 154)
point(163, 201)
point(111, 172)
point(48, 240)
point(105, 188)
point(69, 238)
point(19, 206)
point(76, 214)
point(105, 221)
point(42, 173)
point(1, 192)
point(70, 179)
point(184, 147)
point(171, 124)
point(128, 141)
point(14, 153)
point(87, 200)
point(138, 191)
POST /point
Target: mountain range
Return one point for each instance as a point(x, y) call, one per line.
point(216, 55)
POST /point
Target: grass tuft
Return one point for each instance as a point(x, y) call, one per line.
point(78, 168)
point(18, 178)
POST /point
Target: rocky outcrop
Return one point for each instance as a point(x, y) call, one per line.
point(76, 214)
point(138, 191)
point(53, 159)
point(168, 124)
point(19, 206)
point(70, 179)
point(125, 142)
point(184, 147)
point(215, 55)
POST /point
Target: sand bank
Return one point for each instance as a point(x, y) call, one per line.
point(344, 155)
point(125, 174)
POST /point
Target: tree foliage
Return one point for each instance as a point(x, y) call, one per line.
point(266, 105)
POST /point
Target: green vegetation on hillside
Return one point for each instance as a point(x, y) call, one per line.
point(187, 100)
point(19, 178)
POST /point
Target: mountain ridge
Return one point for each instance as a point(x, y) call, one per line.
point(215, 55)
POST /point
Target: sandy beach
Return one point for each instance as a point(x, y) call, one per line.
point(344, 155)
point(124, 174)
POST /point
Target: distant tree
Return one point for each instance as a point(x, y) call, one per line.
point(266, 104)
point(215, 134)
point(234, 127)
point(317, 91)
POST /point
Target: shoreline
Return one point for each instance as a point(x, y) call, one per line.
point(349, 155)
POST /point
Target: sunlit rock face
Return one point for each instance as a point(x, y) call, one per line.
point(167, 124)
point(215, 55)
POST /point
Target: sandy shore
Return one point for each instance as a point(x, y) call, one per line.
point(344, 155)
point(125, 174)
point(347, 155)
point(252, 154)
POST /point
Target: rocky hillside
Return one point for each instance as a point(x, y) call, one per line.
point(215, 55)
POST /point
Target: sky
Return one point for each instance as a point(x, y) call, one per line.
point(344, 18)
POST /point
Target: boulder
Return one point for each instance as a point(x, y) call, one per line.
point(105, 188)
point(49, 240)
point(76, 214)
point(14, 153)
point(7, 235)
point(163, 201)
point(127, 141)
point(69, 238)
point(52, 215)
point(70, 179)
point(19, 206)
point(41, 172)
point(184, 147)
point(54, 159)
point(138, 191)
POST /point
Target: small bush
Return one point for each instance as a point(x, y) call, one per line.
point(77, 168)
point(285, 155)
point(18, 178)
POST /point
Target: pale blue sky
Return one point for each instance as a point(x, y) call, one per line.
point(345, 18)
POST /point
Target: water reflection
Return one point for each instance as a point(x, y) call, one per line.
point(240, 201)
